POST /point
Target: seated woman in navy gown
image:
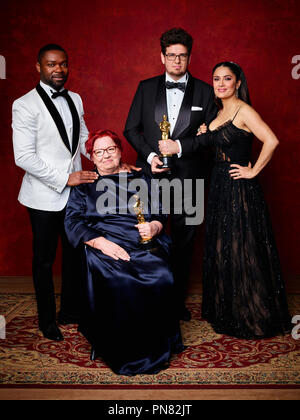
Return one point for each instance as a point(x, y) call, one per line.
point(128, 314)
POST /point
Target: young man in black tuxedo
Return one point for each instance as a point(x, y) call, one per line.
point(188, 102)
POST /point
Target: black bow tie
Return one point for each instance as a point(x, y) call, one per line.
point(176, 85)
point(63, 93)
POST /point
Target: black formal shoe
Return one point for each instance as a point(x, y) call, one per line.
point(93, 354)
point(66, 320)
point(53, 333)
point(185, 314)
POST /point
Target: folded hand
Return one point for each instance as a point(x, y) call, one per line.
point(156, 162)
point(110, 249)
point(126, 167)
point(81, 177)
point(168, 147)
point(202, 129)
point(240, 172)
point(149, 229)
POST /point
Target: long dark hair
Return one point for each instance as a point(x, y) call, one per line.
point(243, 92)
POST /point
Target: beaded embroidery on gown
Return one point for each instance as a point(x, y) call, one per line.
point(243, 290)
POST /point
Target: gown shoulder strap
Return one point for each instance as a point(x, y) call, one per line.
point(236, 113)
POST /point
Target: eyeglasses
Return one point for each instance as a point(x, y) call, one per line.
point(100, 152)
point(172, 57)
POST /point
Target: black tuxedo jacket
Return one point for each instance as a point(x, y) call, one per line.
point(148, 107)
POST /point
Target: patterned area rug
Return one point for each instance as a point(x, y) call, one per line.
point(211, 360)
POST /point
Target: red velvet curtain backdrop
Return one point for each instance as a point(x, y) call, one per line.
point(114, 44)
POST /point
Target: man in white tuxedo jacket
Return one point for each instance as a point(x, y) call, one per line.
point(49, 133)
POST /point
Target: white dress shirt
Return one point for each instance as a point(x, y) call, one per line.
point(63, 108)
point(174, 101)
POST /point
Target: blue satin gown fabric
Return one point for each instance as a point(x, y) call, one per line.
point(129, 315)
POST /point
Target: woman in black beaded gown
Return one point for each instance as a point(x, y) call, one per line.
point(243, 290)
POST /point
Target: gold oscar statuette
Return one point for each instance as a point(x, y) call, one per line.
point(165, 130)
point(138, 208)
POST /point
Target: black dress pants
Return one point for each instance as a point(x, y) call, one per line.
point(47, 227)
point(183, 238)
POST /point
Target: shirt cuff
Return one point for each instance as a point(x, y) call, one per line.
point(150, 157)
point(180, 148)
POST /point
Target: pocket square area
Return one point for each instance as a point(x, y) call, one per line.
point(197, 108)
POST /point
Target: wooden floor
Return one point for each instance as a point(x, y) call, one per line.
point(24, 285)
point(159, 395)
